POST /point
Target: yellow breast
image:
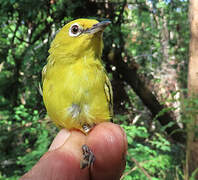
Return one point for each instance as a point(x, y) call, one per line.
point(77, 95)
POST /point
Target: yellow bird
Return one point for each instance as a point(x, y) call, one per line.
point(76, 90)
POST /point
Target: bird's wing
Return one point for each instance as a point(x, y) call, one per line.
point(43, 77)
point(109, 94)
point(44, 72)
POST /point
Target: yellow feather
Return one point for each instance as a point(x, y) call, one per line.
point(76, 91)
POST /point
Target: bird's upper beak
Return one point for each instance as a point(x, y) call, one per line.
point(98, 27)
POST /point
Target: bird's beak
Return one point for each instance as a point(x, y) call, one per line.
point(97, 27)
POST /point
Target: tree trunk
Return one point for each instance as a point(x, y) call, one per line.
point(192, 141)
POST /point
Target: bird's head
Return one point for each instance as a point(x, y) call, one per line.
point(79, 38)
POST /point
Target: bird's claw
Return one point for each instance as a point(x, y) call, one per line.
point(88, 157)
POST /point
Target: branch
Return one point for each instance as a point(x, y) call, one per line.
point(134, 168)
point(14, 33)
point(42, 32)
point(131, 76)
point(119, 21)
point(22, 40)
point(128, 172)
point(142, 169)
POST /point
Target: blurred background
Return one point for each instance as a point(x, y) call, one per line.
point(146, 57)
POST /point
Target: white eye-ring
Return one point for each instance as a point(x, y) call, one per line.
point(75, 30)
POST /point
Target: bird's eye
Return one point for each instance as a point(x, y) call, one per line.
point(75, 30)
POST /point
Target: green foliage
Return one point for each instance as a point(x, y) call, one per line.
point(159, 158)
point(25, 37)
point(24, 139)
point(190, 114)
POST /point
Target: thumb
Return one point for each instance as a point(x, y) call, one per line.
point(60, 139)
point(62, 161)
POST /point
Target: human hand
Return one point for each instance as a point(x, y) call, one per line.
point(62, 161)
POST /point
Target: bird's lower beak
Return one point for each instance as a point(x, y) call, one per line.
point(98, 27)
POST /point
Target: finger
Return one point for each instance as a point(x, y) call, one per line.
point(109, 145)
point(62, 162)
point(60, 139)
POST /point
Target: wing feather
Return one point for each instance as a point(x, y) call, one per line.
point(109, 95)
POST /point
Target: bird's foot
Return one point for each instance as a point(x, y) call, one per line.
point(87, 128)
point(88, 157)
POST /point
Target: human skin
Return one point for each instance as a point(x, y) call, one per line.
point(62, 161)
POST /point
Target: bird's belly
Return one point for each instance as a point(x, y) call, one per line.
point(76, 99)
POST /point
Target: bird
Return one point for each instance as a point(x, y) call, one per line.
point(77, 92)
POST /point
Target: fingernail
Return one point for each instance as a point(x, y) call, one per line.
point(60, 139)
